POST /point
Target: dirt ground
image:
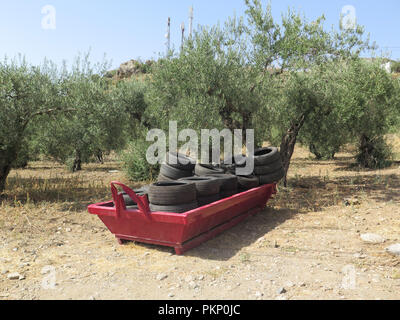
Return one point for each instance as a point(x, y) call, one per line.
point(305, 245)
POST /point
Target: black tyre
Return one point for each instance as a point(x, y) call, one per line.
point(163, 178)
point(264, 156)
point(172, 193)
point(175, 208)
point(180, 161)
point(268, 168)
point(228, 181)
point(272, 177)
point(127, 199)
point(248, 182)
point(174, 173)
point(205, 186)
point(227, 194)
point(207, 169)
point(208, 199)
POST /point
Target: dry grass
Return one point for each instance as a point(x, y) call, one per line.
point(44, 199)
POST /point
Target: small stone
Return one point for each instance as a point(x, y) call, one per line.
point(193, 285)
point(302, 284)
point(4, 271)
point(189, 278)
point(171, 295)
point(15, 249)
point(161, 276)
point(92, 298)
point(372, 238)
point(259, 294)
point(289, 284)
point(201, 277)
point(14, 276)
point(281, 290)
point(146, 253)
point(394, 249)
point(68, 229)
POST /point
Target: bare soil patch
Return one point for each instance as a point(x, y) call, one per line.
point(307, 240)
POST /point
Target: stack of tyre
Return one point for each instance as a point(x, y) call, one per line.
point(129, 203)
point(245, 182)
point(268, 165)
point(207, 188)
point(175, 167)
point(228, 182)
point(173, 196)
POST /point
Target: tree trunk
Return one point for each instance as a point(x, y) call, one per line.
point(4, 171)
point(77, 166)
point(366, 156)
point(99, 155)
point(6, 161)
point(287, 145)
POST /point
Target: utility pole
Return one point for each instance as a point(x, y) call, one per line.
point(183, 34)
point(168, 35)
point(190, 22)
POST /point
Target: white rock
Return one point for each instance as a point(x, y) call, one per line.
point(259, 294)
point(394, 249)
point(372, 238)
point(161, 276)
point(193, 285)
point(189, 278)
point(200, 277)
point(14, 276)
point(281, 290)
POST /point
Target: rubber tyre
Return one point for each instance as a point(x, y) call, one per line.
point(175, 208)
point(127, 199)
point(227, 194)
point(268, 168)
point(264, 156)
point(208, 199)
point(167, 193)
point(207, 169)
point(205, 186)
point(174, 173)
point(248, 182)
point(272, 177)
point(179, 158)
point(161, 178)
point(228, 181)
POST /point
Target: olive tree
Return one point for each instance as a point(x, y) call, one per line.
point(286, 52)
point(26, 94)
point(96, 124)
point(370, 105)
point(208, 84)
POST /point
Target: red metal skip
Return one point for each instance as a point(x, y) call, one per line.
point(182, 231)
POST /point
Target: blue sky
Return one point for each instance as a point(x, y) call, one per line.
point(124, 29)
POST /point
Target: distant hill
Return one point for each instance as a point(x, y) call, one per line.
point(129, 69)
